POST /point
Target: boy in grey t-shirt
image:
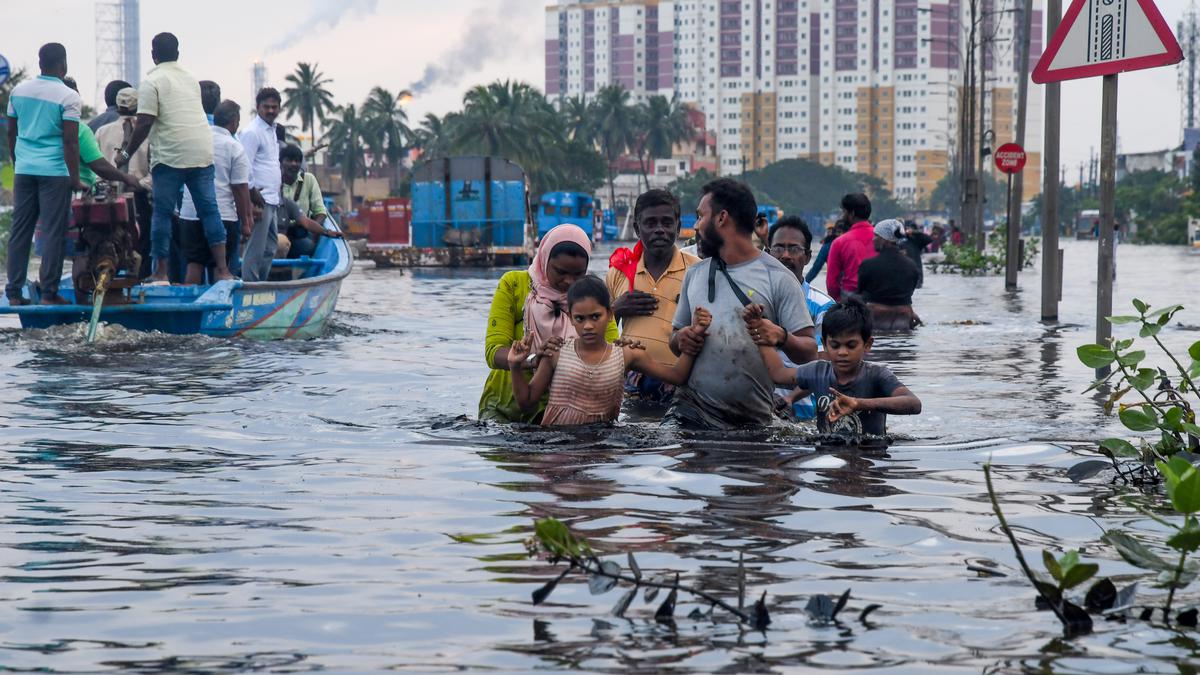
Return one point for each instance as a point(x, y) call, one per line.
point(853, 396)
point(730, 386)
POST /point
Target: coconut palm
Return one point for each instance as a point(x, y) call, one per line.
point(387, 123)
point(346, 137)
point(578, 117)
point(662, 124)
point(307, 97)
point(616, 120)
point(433, 137)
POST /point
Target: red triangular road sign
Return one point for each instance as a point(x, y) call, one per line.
point(1104, 37)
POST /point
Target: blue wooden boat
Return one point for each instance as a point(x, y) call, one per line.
point(298, 307)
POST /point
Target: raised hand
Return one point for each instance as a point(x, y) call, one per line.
point(842, 405)
point(517, 353)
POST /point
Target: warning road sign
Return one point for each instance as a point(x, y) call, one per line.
point(1010, 158)
point(1105, 37)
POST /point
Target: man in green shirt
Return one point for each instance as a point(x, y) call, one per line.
point(299, 237)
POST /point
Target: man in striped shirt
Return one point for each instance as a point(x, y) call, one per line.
point(43, 137)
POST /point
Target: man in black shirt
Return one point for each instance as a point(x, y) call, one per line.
point(887, 281)
point(914, 244)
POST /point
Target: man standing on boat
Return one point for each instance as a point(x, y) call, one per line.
point(262, 149)
point(217, 249)
point(171, 116)
point(43, 139)
point(644, 284)
point(730, 387)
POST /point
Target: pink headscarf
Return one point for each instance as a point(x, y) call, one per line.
point(546, 313)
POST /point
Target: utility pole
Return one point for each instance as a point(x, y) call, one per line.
point(970, 179)
point(980, 180)
point(1108, 212)
point(1013, 248)
point(1051, 180)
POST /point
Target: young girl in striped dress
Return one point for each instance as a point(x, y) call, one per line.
point(586, 378)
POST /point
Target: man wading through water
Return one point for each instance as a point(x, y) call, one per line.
point(645, 284)
point(729, 386)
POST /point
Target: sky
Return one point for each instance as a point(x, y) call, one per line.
point(441, 48)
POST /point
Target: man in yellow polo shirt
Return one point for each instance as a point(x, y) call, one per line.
point(646, 311)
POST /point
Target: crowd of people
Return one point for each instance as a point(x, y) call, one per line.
point(212, 199)
point(725, 338)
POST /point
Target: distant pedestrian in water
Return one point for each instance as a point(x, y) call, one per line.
point(914, 244)
point(532, 302)
point(840, 226)
point(171, 116)
point(851, 249)
point(887, 281)
point(854, 396)
point(956, 235)
point(586, 378)
point(937, 237)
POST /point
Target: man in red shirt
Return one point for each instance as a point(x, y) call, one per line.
point(850, 249)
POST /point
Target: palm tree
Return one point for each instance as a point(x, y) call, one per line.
point(662, 124)
point(387, 124)
point(307, 97)
point(433, 137)
point(346, 137)
point(578, 116)
point(616, 120)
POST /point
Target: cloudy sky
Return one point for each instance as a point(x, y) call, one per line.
point(445, 46)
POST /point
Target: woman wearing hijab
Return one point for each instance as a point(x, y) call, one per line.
point(533, 302)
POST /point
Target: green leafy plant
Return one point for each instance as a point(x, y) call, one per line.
point(1147, 400)
point(552, 537)
point(968, 261)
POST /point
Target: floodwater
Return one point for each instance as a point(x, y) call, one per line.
point(196, 505)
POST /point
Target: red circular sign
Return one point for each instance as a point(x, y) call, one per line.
point(1010, 158)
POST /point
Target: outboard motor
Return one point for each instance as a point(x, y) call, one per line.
point(107, 258)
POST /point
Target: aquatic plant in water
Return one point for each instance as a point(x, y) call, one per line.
point(968, 261)
point(1148, 401)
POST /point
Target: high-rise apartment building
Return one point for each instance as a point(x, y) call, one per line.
point(872, 86)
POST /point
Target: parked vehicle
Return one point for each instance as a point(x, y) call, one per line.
point(1087, 224)
point(465, 211)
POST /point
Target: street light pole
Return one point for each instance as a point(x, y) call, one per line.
point(1016, 196)
point(970, 180)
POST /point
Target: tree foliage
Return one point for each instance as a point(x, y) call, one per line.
point(307, 96)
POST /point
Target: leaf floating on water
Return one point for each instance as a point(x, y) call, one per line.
point(985, 567)
point(862, 616)
point(652, 591)
point(622, 605)
point(841, 603)
point(762, 618)
point(1135, 552)
point(1188, 619)
point(633, 567)
point(1086, 469)
point(666, 611)
point(1077, 621)
point(599, 584)
point(540, 595)
point(1101, 596)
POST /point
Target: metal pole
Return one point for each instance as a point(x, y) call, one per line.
point(1017, 193)
point(1013, 253)
point(1108, 189)
point(980, 181)
point(970, 181)
point(1051, 180)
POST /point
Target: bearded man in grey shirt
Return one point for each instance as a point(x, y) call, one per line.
point(730, 386)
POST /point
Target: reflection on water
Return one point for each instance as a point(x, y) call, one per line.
point(196, 505)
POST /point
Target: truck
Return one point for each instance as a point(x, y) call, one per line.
point(464, 212)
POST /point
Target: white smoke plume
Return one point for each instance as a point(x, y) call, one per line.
point(324, 15)
point(493, 31)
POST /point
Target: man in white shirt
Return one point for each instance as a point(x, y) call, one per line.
point(204, 247)
point(262, 150)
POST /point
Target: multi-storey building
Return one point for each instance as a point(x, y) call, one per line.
point(872, 86)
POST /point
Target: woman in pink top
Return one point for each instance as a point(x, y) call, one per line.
point(586, 378)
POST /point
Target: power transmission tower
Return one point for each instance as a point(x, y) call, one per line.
point(118, 45)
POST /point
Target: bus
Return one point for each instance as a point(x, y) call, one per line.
point(578, 208)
